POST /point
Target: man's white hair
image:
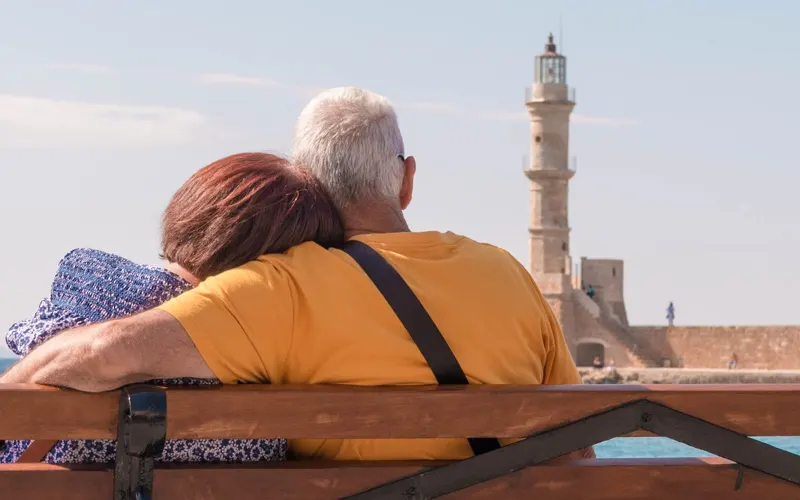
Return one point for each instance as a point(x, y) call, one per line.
point(349, 138)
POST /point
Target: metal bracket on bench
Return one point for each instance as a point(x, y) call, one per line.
point(141, 432)
point(559, 441)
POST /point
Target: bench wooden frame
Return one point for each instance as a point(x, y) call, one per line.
point(559, 419)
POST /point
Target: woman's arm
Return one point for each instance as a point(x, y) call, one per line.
point(108, 355)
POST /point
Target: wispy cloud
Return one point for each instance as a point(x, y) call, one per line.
point(601, 120)
point(435, 107)
point(506, 116)
point(41, 122)
point(231, 79)
point(521, 116)
point(94, 69)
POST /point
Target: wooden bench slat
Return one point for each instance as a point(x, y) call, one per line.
point(654, 479)
point(30, 412)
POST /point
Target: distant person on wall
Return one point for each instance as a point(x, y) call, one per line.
point(228, 213)
point(671, 314)
point(590, 292)
point(733, 362)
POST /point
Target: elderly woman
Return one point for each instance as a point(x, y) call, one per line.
point(228, 213)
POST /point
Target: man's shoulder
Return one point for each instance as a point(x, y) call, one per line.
point(489, 248)
point(301, 266)
point(502, 265)
point(311, 256)
point(296, 254)
point(304, 255)
point(490, 251)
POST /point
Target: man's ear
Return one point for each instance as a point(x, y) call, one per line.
point(407, 189)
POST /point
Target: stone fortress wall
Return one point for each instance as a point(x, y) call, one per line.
point(756, 347)
point(600, 328)
point(606, 276)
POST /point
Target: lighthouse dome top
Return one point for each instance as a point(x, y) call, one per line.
point(550, 48)
point(551, 67)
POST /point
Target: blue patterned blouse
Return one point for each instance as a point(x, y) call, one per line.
point(92, 286)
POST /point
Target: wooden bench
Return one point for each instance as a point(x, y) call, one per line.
point(559, 419)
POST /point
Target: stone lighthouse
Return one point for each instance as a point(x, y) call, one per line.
point(550, 102)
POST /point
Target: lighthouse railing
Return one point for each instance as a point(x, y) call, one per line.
point(528, 165)
point(569, 97)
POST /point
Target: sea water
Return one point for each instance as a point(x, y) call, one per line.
point(658, 447)
point(5, 364)
point(644, 447)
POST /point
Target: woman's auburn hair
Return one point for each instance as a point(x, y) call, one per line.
point(244, 206)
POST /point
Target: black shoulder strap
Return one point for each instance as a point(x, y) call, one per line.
point(418, 323)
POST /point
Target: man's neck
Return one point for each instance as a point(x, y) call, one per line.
point(373, 218)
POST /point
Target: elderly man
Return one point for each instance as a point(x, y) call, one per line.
point(312, 315)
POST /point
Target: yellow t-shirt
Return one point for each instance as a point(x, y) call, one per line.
point(312, 316)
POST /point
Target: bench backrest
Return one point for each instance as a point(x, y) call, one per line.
point(561, 418)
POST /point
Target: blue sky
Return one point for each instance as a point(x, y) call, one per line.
point(684, 129)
